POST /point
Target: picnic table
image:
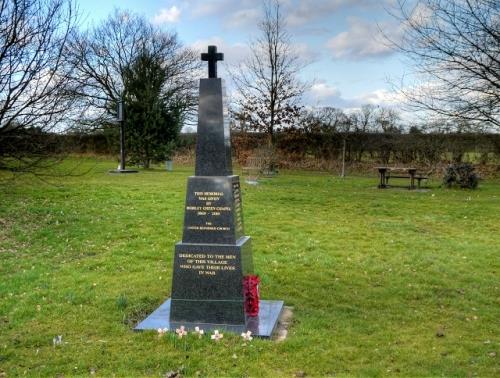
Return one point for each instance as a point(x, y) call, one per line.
point(410, 173)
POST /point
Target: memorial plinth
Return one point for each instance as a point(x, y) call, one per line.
point(214, 256)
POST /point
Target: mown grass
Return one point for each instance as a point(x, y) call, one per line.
point(373, 275)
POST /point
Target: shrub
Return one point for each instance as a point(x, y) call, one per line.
point(461, 174)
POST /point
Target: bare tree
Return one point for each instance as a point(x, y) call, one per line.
point(102, 55)
point(365, 118)
point(336, 121)
point(333, 123)
point(363, 121)
point(386, 120)
point(33, 79)
point(454, 46)
point(268, 87)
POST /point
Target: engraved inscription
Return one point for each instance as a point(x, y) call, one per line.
point(210, 206)
point(237, 207)
point(207, 264)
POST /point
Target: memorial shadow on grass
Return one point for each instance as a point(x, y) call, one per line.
point(382, 282)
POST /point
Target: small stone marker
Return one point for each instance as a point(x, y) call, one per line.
point(214, 257)
point(169, 165)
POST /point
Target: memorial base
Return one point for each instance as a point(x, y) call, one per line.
point(207, 283)
point(262, 325)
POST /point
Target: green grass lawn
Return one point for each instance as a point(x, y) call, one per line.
point(373, 276)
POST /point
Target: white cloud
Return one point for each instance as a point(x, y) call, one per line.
point(167, 15)
point(233, 53)
point(390, 100)
point(364, 40)
point(382, 97)
point(324, 90)
point(204, 8)
point(306, 11)
point(243, 17)
point(305, 53)
point(244, 13)
point(421, 14)
point(323, 94)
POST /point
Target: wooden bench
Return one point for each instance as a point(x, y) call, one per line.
point(387, 173)
point(258, 165)
point(253, 167)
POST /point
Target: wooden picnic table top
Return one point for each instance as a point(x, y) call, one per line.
point(411, 170)
point(385, 174)
point(408, 169)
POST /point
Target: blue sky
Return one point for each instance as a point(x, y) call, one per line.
point(349, 62)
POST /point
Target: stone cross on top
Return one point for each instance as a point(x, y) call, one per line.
point(212, 57)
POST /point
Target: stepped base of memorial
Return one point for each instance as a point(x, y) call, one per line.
point(262, 325)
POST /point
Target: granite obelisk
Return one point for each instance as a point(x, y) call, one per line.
point(214, 257)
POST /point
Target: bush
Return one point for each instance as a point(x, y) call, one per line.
point(462, 175)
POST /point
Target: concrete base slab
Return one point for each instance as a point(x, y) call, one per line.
point(262, 325)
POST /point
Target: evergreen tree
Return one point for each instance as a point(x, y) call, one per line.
point(152, 120)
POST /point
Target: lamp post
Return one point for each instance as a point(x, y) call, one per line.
point(122, 134)
point(120, 119)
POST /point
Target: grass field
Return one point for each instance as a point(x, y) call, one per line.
point(373, 277)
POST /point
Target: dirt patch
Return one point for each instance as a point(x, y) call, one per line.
point(284, 322)
point(138, 311)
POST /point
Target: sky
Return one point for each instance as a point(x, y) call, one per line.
point(349, 61)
